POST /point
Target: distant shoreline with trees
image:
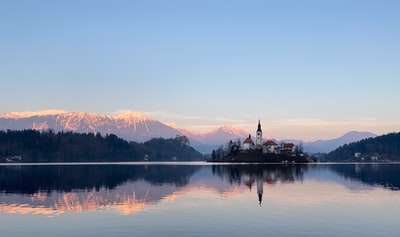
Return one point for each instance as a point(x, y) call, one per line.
point(378, 149)
point(385, 148)
point(26, 146)
point(48, 146)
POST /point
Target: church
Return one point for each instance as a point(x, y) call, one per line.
point(248, 144)
point(269, 146)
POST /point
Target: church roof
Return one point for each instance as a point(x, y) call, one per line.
point(270, 143)
point(248, 140)
point(288, 145)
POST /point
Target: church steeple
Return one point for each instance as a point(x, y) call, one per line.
point(259, 135)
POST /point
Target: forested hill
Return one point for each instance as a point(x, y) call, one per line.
point(35, 146)
point(381, 148)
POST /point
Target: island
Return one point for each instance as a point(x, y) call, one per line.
point(259, 152)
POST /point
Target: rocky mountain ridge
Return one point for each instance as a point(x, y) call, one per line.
point(134, 126)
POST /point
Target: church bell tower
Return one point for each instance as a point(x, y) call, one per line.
point(259, 136)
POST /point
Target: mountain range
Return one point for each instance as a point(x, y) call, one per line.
point(325, 146)
point(134, 126)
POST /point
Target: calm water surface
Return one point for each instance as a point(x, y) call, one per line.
point(199, 199)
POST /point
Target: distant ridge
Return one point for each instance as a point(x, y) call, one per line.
point(325, 146)
point(135, 126)
point(379, 148)
point(27, 114)
point(223, 134)
point(129, 125)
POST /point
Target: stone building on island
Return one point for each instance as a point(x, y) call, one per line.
point(269, 146)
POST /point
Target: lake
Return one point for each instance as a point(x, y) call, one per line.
point(199, 199)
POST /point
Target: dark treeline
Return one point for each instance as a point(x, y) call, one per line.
point(385, 147)
point(47, 146)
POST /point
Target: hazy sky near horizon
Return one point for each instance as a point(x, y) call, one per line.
point(307, 69)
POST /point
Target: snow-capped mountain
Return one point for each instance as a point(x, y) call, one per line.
point(134, 126)
point(219, 136)
point(129, 125)
point(223, 134)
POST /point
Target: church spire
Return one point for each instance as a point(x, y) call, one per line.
point(259, 136)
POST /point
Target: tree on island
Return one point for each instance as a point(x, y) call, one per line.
point(299, 149)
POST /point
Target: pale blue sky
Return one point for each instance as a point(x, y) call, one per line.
point(307, 69)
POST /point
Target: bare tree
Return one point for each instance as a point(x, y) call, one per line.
point(299, 148)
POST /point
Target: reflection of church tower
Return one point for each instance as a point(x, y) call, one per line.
point(259, 135)
point(260, 189)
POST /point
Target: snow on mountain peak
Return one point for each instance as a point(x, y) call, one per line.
point(129, 115)
point(230, 130)
point(130, 125)
point(223, 134)
point(28, 114)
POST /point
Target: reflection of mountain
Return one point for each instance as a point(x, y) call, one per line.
point(64, 178)
point(54, 189)
point(126, 199)
point(127, 189)
point(385, 175)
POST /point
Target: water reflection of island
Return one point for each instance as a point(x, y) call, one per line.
point(127, 189)
point(259, 174)
point(54, 189)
